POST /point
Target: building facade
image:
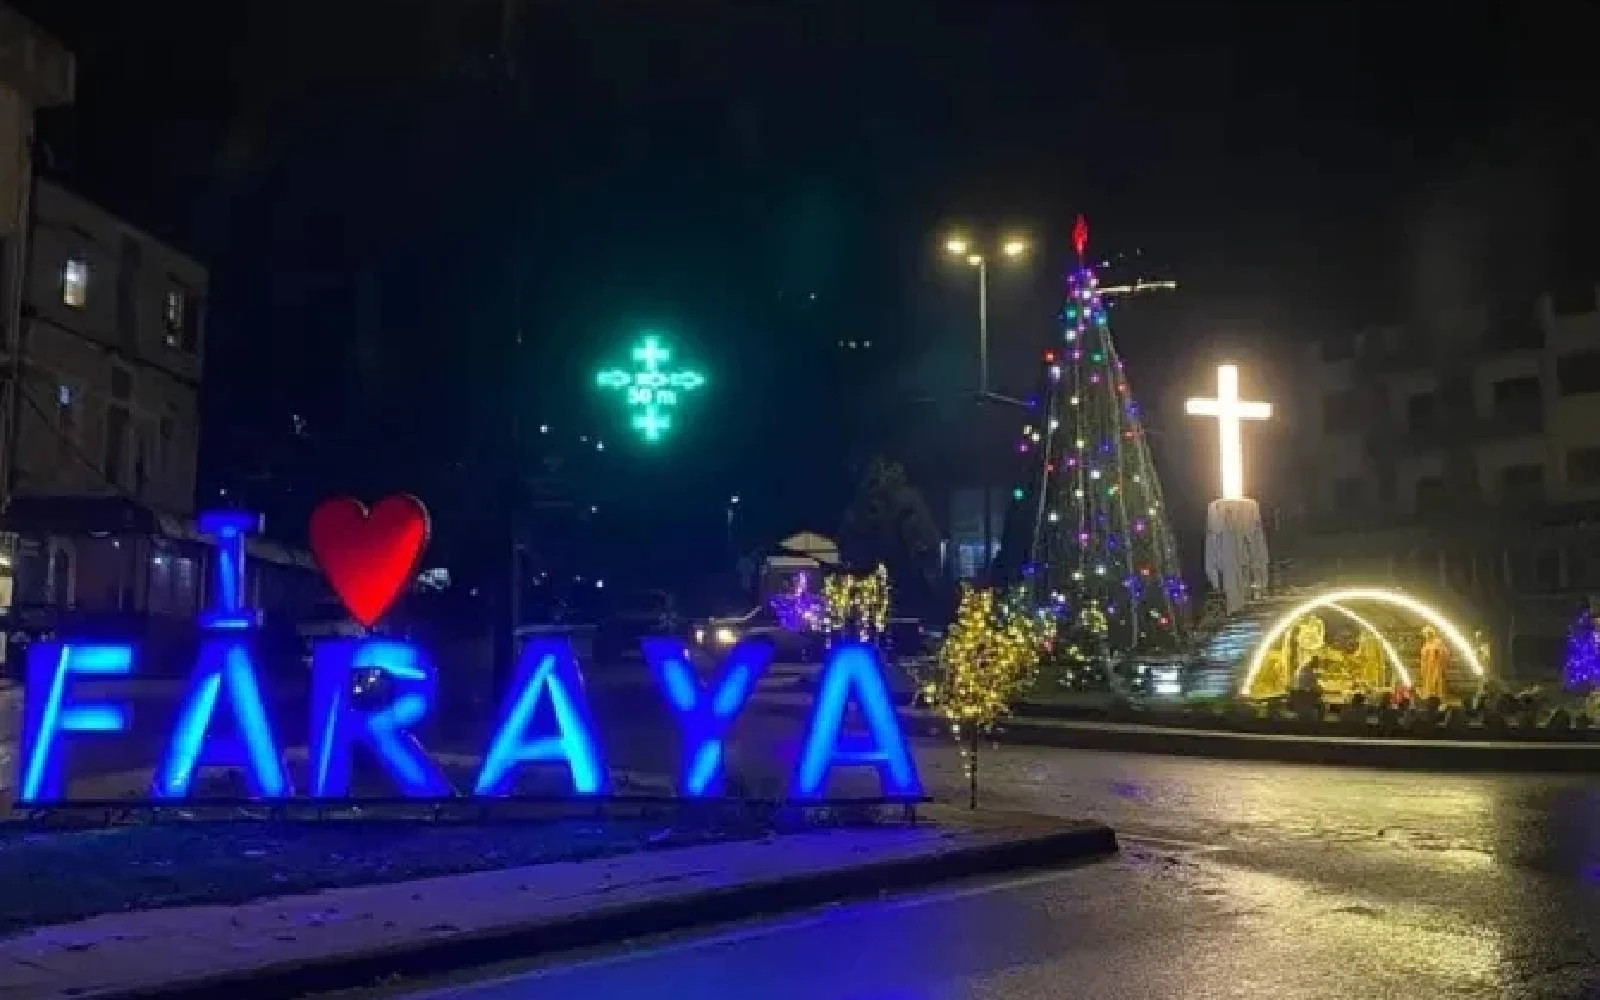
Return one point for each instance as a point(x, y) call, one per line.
point(1463, 461)
point(113, 335)
point(108, 424)
point(35, 72)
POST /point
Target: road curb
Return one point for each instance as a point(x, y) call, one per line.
point(1400, 753)
point(1059, 844)
point(1405, 753)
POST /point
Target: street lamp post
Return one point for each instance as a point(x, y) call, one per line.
point(983, 323)
point(1013, 248)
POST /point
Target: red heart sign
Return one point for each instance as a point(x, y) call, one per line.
point(369, 556)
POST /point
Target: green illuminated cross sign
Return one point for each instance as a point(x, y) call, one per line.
point(652, 391)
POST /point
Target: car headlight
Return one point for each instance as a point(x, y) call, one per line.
point(700, 636)
point(726, 637)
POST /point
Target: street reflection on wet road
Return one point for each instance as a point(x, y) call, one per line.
point(1236, 880)
point(1451, 822)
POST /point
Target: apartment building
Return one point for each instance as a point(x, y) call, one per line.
point(35, 72)
point(108, 427)
point(1463, 460)
point(113, 341)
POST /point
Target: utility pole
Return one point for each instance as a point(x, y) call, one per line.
point(507, 606)
point(983, 326)
point(46, 78)
point(13, 295)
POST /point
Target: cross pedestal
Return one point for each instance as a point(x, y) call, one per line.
point(1236, 545)
point(1236, 551)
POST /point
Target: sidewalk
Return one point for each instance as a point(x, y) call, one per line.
point(347, 938)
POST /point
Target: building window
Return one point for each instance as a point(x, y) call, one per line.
point(141, 458)
point(1347, 493)
point(164, 431)
point(1422, 412)
point(1388, 489)
point(1338, 347)
point(1458, 570)
point(1340, 413)
point(1578, 373)
point(970, 562)
point(1521, 485)
point(1518, 405)
point(1583, 466)
point(1583, 566)
point(1573, 299)
point(1421, 565)
point(1514, 326)
point(115, 458)
point(1516, 392)
point(66, 416)
point(75, 283)
point(1430, 495)
point(1519, 570)
point(172, 314)
point(1547, 569)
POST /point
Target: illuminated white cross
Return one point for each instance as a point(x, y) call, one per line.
point(1229, 409)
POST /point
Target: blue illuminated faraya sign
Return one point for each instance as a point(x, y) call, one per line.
point(223, 721)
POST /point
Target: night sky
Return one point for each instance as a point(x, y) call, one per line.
point(764, 179)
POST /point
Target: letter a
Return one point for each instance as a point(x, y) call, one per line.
point(546, 670)
point(224, 668)
point(854, 671)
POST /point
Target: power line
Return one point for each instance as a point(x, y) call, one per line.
point(72, 447)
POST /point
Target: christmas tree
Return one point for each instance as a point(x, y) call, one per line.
point(1100, 547)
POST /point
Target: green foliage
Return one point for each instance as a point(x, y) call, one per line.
point(889, 522)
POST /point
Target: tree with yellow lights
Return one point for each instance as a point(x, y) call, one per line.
point(857, 607)
point(989, 656)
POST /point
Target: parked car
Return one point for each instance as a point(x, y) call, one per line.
point(631, 616)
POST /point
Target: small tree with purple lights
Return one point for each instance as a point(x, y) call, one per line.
point(801, 609)
point(1583, 653)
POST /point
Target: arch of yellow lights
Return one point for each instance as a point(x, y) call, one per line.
point(1389, 652)
point(1377, 595)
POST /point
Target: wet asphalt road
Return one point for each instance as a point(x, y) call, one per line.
point(1236, 880)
